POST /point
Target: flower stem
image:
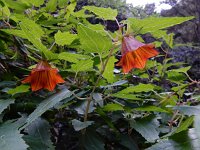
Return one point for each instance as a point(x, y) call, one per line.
point(89, 100)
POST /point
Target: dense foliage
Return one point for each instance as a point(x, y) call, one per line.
point(98, 106)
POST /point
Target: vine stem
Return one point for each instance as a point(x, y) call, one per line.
point(89, 99)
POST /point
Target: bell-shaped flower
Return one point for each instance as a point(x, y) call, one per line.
point(43, 76)
point(135, 53)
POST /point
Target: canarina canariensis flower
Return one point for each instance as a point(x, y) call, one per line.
point(135, 53)
point(43, 76)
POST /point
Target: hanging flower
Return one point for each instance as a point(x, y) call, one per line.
point(43, 76)
point(135, 53)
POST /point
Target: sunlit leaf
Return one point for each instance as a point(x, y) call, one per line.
point(19, 89)
point(92, 41)
point(105, 13)
point(64, 38)
point(113, 107)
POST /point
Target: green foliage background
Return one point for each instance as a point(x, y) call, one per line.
point(98, 107)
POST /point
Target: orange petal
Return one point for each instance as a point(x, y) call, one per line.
point(36, 83)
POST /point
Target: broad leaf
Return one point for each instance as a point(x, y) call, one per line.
point(147, 128)
point(109, 70)
point(186, 140)
point(33, 33)
point(11, 137)
point(64, 38)
point(47, 104)
point(82, 65)
point(153, 24)
point(72, 57)
point(182, 70)
point(138, 88)
point(39, 136)
point(126, 96)
point(4, 103)
point(105, 13)
point(94, 143)
point(92, 41)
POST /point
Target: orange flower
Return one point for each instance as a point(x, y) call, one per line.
point(43, 76)
point(135, 53)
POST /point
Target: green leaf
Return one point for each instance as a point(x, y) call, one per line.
point(186, 140)
point(36, 3)
point(188, 110)
point(4, 11)
point(151, 108)
point(47, 104)
point(184, 125)
point(39, 135)
point(138, 88)
point(14, 32)
point(126, 96)
point(109, 70)
point(113, 107)
point(128, 142)
point(11, 137)
point(72, 57)
point(33, 33)
point(51, 5)
point(94, 143)
point(153, 24)
point(92, 41)
point(5, 103)
point(82, 65)
point(64, 38)
point(19, 89)
point(181, 70)
point(147, 128)
point(105, 13)
point(78, 125)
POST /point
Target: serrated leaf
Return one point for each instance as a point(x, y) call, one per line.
point(51, 5)
point(72, 57)
point(19, 89)
point(64, 38)
point(186, 140)
point(82, 65)
point(151, 108)
point(39, 136)
point(36, 3)
point(147, 128)
point(4, 103)
point(33, 33)
point(113, 107)
point(92, 41)
point(105, 13)
point(47, 104)
point(11, 137)
point(138, 88)
point(109, 70)
point(126, 96)
point(94, 143)
point(78, 125)
point(15, 32)
point(181, 70)
point(184, 125)
point(153, 24)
